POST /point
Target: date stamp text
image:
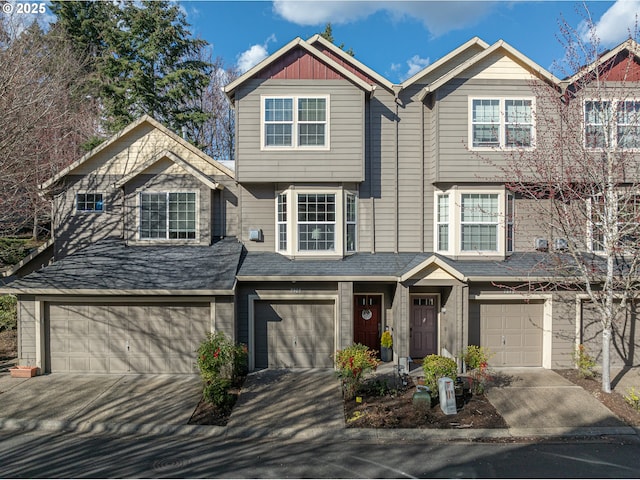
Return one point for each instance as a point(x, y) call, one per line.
point(24, 8)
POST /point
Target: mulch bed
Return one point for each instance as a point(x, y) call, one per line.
point(395, 409)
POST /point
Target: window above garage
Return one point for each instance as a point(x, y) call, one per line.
point(316, 222)
point(168, 216)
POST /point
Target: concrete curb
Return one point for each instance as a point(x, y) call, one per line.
point(316, 433)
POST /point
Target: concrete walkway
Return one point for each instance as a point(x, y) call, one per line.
point(287, 404)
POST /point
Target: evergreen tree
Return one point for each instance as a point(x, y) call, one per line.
point(328, 35)
point(143, 57)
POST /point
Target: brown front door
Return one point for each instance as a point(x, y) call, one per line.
point(367, 318)
point(424, 326)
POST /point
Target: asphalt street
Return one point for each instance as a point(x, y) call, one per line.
point(63, 455)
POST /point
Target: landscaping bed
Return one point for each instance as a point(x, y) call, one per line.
point(381, 407)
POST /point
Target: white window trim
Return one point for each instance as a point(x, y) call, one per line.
point(501, 131)
point(592, 225)
point(88, 212)
point(613, 127)
point(347, 222)
point(295, 123)
point(340, 234)
point(139, 238)
point(455, 225)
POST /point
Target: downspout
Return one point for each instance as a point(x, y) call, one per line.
point(370, 175)
point(422, 174)
point(396, 90)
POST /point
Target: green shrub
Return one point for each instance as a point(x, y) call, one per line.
point(437, 366)
point(386, 340)
point(221, 363)
point(352, 364)
point(584, 362)
point(8, 312)
point(476, 357)
point(633, 398)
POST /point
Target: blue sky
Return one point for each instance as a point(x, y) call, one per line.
point(396, 39)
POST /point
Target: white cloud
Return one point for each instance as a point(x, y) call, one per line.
point(415, 64)
point(616, 24)
point(438, 17)
point(254, 55)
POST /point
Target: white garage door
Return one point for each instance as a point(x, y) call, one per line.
point(513, 332)
point(292, 334)
point(120, 338)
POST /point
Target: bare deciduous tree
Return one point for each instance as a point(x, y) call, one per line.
point(582, 181)
point(45, 120)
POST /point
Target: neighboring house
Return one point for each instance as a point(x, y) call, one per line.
point(356, 205)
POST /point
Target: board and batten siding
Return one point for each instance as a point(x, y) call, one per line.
point(455, 162)
point(343, 161)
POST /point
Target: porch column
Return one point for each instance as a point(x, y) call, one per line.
point(344, 326)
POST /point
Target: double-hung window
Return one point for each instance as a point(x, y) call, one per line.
point(442, 222)
point(89, 202)
point(501, 122)
point(168, 215)
point(295, 122)
point(479, 222)
point(625, 231)
point(612, 124)
point(316, 222)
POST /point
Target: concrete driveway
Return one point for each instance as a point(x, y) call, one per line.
point(64, 400)
point(535, 398)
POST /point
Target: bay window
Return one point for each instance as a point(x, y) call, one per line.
point(310, 222)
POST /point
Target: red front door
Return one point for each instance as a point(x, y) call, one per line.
point(424, 327)
point(367, 318)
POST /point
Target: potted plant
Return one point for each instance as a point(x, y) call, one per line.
point(386, 342)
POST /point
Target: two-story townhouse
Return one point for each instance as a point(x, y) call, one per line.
point(356, 206)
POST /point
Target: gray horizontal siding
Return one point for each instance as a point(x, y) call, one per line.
point(344, 160)
point(455, 162)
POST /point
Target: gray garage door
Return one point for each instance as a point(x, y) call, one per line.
point(625, 341)
point(120, 338)
point(294, 334)
point(513, 332)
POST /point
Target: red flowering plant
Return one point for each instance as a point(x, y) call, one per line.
point(476, 360)
point(352, 364)
point(221, 363)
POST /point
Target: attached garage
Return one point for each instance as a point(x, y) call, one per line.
point(294, 334)
point(512, 331)
point(124, 338)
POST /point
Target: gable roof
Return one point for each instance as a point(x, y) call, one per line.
point(292, 45)
point(629, 45)
point(319, 39)
point(474, 42)
point(124, 132)
point(175, 159)
point(499, 45)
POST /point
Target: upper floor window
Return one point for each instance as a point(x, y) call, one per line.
point(89, 202)
point(501, 122)
point(295, 122)
point(317, 222)
point(168, 215)
point(612, 124)
point(474, 222)
point(625, 232)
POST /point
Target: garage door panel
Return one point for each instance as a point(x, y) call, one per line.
point(512, 332)
point(294, 334)
point(120, 338)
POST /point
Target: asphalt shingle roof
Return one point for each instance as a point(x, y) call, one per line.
point(112, 265)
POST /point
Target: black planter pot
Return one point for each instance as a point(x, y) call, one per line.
point(386, 354)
